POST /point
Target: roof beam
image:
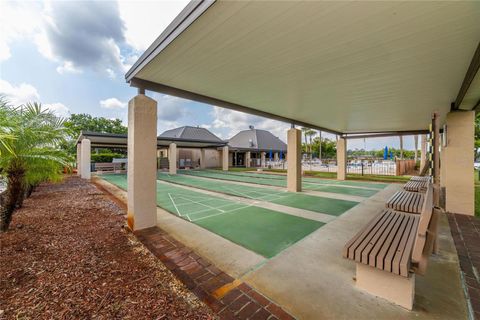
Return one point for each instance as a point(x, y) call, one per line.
point(467, 81)
point(185, 18)
point(161, 88)
point(384, 134)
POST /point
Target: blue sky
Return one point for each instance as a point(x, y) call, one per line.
point(72, 57)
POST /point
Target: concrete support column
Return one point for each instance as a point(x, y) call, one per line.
point(85, 159)
point(263, 162)
point(79, 159)
point(225, 158)
point(294, 163)
point(248, 156)
point(142, 173)
point(443, 168)
point(341, 159)
point(458, 159)
point(202, 158)
point(423, 151)
point(275, 157)
point(172, 158)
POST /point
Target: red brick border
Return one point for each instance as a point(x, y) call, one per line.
point(466, 235)
point(205, 280)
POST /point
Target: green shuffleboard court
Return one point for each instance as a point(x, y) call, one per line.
point(268, 181)
point(295, 200)
point(369, 185)
point(266, 232)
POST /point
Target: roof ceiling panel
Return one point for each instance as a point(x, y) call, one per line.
point(345, 66)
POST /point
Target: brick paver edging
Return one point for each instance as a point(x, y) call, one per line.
point(466, 235)
point(228, 297)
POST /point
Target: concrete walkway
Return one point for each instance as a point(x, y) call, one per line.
point(311, 280)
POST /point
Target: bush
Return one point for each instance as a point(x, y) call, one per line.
point(105, 157)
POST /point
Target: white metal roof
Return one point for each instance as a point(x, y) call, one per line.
point(343, 66)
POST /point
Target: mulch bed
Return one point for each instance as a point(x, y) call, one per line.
point(67, 256)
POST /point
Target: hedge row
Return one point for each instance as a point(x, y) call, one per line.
point(105, 157)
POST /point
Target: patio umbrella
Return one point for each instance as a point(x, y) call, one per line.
point(385, 153)
point(281, 155)
point(270, 155)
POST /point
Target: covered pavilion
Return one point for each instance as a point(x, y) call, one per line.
point(354, 69)
point(167, 144)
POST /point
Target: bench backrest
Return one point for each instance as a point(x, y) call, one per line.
point(425, 217)
point(107, 165)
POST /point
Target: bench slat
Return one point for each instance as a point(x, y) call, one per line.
point(364, 242)
point(401, 246)
point(383, 241)
point(377, 236)
point(394, 246)
point(407, 254)
point(406, 201)
point(380, 263)
point(348, 250)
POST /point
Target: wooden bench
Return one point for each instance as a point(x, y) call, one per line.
point(406, 201)
point(417, 184)
point(107, 167)
point(390, 249)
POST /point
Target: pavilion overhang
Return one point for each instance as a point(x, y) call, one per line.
point(340, 67)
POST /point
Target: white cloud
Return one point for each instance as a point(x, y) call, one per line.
point(229, 122)
point(146, 19)
point(19, 20)
point(59, 109)
point(112, 103)
point(20, 94)
point(68, 67)
point(170, 108)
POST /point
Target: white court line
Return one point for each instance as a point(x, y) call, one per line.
point(205, 210)
point(173, 202)
point(201, 204)
point(226, 212)
point(240, 193)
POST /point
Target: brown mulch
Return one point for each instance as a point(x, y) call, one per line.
point(67, 256)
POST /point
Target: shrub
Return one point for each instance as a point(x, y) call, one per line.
point(105, 157)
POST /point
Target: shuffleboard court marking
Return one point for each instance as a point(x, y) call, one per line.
point(225, 212)
point(174, 204)
point(202, 204)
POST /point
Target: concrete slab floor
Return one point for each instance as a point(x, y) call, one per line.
point(312, 281)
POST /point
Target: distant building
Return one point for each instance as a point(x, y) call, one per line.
point(249, 146)
point(189, 157)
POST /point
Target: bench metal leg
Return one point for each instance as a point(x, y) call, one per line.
point(386, 285)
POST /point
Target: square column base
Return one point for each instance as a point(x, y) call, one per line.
point(386, 285)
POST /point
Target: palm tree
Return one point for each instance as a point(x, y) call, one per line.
point(30, 154)
point(401, 147)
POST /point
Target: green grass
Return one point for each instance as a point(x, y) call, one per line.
point(266, 232)
point(295, 200)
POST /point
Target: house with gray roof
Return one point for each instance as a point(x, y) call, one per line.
point(252, 147)
point(190, 157)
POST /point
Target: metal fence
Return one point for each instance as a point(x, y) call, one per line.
point(356, 166)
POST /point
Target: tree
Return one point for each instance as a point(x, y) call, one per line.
point(328, 149)
point(477, 134)
point(308, 133)
point(85, 122)
point(31, 155)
